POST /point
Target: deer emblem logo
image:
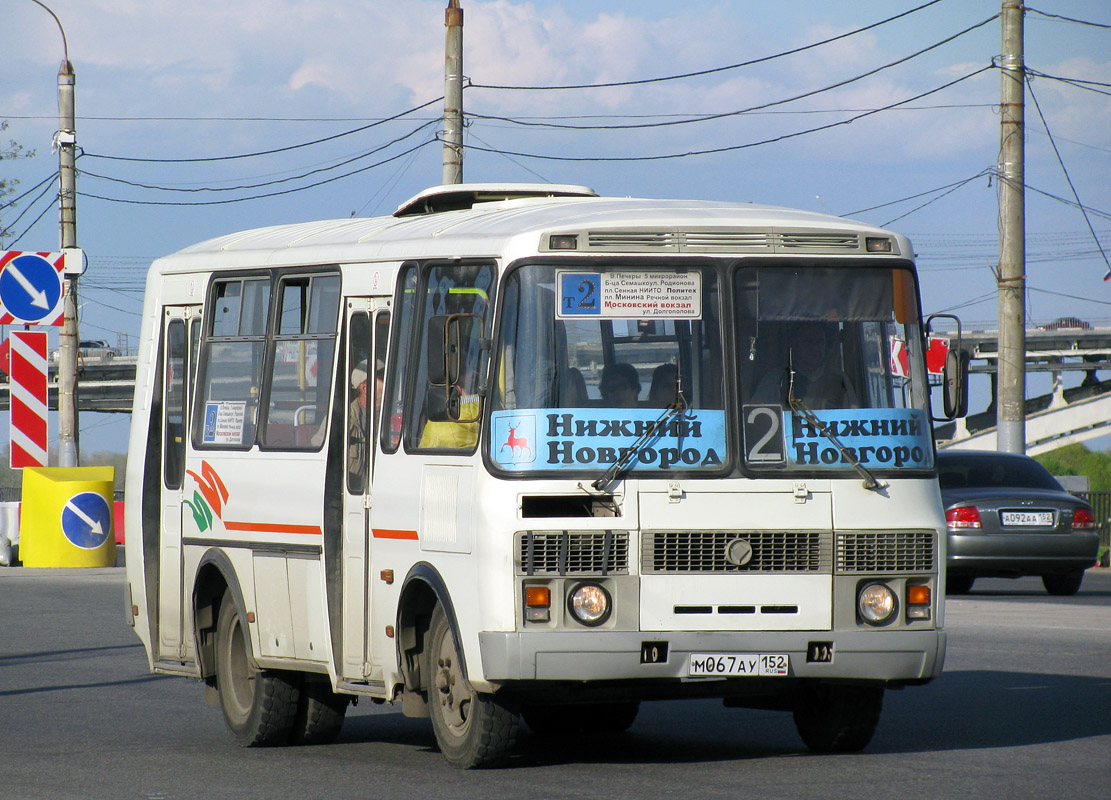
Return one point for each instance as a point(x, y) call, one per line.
point(517, 445)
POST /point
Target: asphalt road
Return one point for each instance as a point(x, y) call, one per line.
point(1022, 711)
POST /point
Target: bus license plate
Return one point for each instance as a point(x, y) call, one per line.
point(1039, 518)
point(734, 665)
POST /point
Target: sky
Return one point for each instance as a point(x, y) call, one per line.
point(896, 124)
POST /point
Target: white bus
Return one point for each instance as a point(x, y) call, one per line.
point(519, 452)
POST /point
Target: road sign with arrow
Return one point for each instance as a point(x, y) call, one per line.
point(31, 288)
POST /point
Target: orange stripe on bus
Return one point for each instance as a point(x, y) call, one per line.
point(272, 527)
point(384, 533)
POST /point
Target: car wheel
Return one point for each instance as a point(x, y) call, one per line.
point(959, 584)
point(1063, 584)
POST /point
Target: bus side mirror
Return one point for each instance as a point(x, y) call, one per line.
point(450, 340)
point(954, 384)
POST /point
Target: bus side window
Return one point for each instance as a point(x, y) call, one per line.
point(360, 378)
point(232, 358)
point(394, 395)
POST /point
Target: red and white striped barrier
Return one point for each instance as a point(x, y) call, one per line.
point(28, 399)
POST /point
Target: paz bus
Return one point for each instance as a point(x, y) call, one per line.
point(520, 453)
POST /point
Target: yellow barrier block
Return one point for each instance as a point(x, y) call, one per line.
point(67, 517)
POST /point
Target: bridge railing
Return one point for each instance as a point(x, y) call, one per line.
point(1101, 506)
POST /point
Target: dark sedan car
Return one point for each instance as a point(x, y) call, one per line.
point(1008, 517)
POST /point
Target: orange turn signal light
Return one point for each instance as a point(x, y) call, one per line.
point(918, 595)
point(538, 596)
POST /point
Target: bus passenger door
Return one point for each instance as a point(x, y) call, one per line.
point(180, 324)
point(367, 332)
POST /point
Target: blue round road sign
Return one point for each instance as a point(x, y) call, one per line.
point(87, 520)
point(30, 288)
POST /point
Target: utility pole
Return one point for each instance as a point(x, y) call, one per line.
point(453, 94)
point(1011, 405)
point(67, 208)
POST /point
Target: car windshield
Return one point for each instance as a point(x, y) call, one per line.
point(993, 472)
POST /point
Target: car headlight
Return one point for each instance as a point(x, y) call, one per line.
point(876, 603)
point(590, 604)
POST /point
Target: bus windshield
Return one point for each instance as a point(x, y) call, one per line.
point(607, 367)
point(831, 368)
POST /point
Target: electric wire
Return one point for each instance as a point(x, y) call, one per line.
point(1066, 19)
point(242, 187)
point(257, 196)
point(730, 148)
point(711, 71)
point(1068, 178)
point(38, 185)
point(267, 152)
point(726, 114)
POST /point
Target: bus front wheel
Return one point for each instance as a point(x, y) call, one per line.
point(473, 729)
point(260, 706)
point(833, 718)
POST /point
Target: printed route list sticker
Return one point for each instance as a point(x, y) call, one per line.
point(628, 295)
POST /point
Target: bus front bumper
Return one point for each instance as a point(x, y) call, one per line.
point(890, 656)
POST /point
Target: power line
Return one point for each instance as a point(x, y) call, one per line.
point(265, 152)
point(265, 183)
point(712, 70)
point(1068, 178)
point(257, 196)
point(1067, 19)
point(956, 184)
point(763, 106)
point(729, 148)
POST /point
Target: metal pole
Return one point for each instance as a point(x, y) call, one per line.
point(67, 215)
point(453, 94)
point(1011, 408)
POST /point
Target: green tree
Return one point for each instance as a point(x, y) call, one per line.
point(1076, 459)
point(9, 152)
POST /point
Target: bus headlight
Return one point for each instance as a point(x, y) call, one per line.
point(876, 603)
point(590, 604)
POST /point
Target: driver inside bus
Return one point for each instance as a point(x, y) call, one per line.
point(819, 380)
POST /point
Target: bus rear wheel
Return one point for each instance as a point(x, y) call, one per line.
point(833, 718)
point(260, 706)
point(473, 729)
point(320, 713)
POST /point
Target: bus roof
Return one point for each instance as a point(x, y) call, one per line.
point(524, 223)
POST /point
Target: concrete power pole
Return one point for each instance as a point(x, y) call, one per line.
point(453, 94)
point(68, 435)
point(1011, 405)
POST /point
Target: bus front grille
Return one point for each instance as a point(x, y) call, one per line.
point(868, 551)
point(573, 553)
point(736, 551)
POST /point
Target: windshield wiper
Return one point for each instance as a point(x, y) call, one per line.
point(652, 430)
point(801, 408)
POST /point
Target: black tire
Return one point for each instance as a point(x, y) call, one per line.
point(832, 718)
point(597, 717)
point(959, 584)
point(472, 729)
point(1063, 584)
point(260, 706)
point(320, 713)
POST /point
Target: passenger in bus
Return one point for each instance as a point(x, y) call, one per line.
point(664, 388)
point(357, 421)
point(620, 385)
point(572, 389)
